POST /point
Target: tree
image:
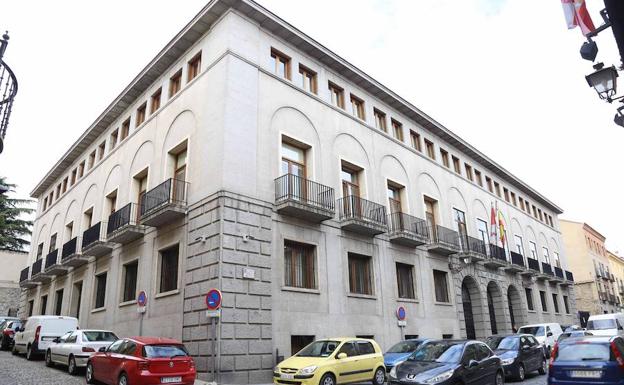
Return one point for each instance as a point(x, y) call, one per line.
point(13, 228)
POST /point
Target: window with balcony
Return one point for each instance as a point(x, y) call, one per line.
point(357, 107)
point(44, 305)
point(88, 218)
point(555, 298)
point(39, 251)
point(140, 182)
point(459, 217)
point(337, 95)
point(69, 230)
point(380, 120)
point(100, 291)
point(440, 282)
point(533, 250)
point(445, 158)
point(169, 264)
point(125, 129)
point(175, 83)
point(293, 158)
point(111, 202)
point(360, 274)
point(140, 114)
point(546, 255)
point(482, 229)
point(308, 79)
point(415, 140)
point(155, 101)
point(488, 182)
point(193, 67)
point(518, 244)
point(556, 258)
point(350, 180)
point(130, 271)
point(179, 173)
point(52, 246)
point(468, 169)
point(393, 192)
point(405, 280)
point(431, 208)
point(430, 149)
point(543, 300)
point(299, 265)
point(529, 298)
point(58, 306)
point(280, 64)
point(397, 130)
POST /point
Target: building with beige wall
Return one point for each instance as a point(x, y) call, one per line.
point(248, 157)
point(12, 264)
point(616, 264)
point(589, 261)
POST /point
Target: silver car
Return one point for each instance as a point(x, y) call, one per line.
point(73, 349)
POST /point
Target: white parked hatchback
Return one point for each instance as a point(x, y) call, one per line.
point(74, 349)
point(37, 334)
point(546, 334)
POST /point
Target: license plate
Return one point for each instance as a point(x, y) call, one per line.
point(586, 374)
point(170, 380)
point(287, 376)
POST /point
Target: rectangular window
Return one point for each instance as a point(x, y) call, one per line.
point(556, 258)
point(58, 191)
point(299, 342)
point(441, 286)
point(44, 305)
point(102, 149)
point(175, 83)
point(488, 182)
point(534, 211)
point(357, 107)
point(59, 302)
point(280, 64)
point(506, 193)
point(360, 274)
point(380, 120)
point(550, 221)
point(469, 172)
point(76, 299)
point(533, 250)
point(521, 200)
point(430, 213)
point(498, 190)
point(140, 114)
point(31, 306)
point(405, 280)
point(65, 183)
point(513, 198)
point(52, 243)
point(81, 169)
point(566, 305)
point(445, 158)
point(555, 302)
point(539, 212)
point(100, 290)
point(337, 95)
point(155, 101)
point(299, 265)
point(543, 300)
point(308, 79)
point(456, 165)
point(39, 251)
point(193, 67)
point(546, 255)
point(518, 242)
point(45, 203)
point(125, 129)
point(130, 271)
point(169, 269)
point(74, 176)
point(430, 149)
point(350, 184)
point(529, 298)
point(478, 177)
point(393, 191)
point(294, 162)
point(397, 130)
point(113, 139)
point(91, 160)
point(415, 139)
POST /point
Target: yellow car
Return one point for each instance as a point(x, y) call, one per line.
point(333, 361)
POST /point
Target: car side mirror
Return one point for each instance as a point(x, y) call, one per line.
point(472, 364)
point(526, 347)
point(102, 349)
point(341, 355)
point(549, 334)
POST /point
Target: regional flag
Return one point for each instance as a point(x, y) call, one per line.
point(576, 15)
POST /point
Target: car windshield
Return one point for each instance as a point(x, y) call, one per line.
point(99, 336)
point(319, 349)
point(404, 347)
point(537, 331)
point(601, 324)
point(503, 343)
point(439, 352)
point(164, 351)
point(583, 352)
point(3, 325)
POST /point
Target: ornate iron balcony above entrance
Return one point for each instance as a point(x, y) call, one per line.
point(303, 198)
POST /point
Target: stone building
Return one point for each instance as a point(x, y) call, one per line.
point(248, 157)
point(12, 264)
point(616, 264)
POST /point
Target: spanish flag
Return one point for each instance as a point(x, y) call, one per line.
point(501, 227)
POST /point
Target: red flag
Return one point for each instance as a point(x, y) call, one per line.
point(576, 15)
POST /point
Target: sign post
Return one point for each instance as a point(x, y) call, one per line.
point(141, 307)
point(401, 314)
point(213, 311)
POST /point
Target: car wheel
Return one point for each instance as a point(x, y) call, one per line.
point(542, 369)
point(71, 366)
point(48, 359)
point(89, 374)
point(123, 379)
point(327, 379)
point(500, 379)
point(521, 372)
point(380, 377)
point(30, 354)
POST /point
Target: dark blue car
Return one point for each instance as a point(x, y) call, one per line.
point(588, 360)
point(400, 352)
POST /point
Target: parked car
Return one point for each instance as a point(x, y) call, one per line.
point(333, 361)
point(74, 348)
point(7, 331)
point(588, 360)
point(5, 318)
point(36, 335)
point(574, 334)
point(606, 324)
point(399, 352)
point(572, 328)
point(519, 353)
point(142, 361)
point(546, 334)
point(449, 362)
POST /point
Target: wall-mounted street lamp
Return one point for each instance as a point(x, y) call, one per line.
point(604, 81)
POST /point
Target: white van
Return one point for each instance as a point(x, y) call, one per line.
point(34, 337)
point(606, 324)
point(546, 334)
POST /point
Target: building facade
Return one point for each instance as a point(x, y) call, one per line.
point(249, 158)
point(12, 264)
point(616, 264)
point(589, 261)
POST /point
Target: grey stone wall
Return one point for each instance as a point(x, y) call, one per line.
point(9, 299)
point(229, 237)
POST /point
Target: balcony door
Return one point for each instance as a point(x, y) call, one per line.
point(430, 217)
point(394, 203)
point(142, 184)
point(293, 165)
point(179, 176)
point(460, 224)
point(351, 192)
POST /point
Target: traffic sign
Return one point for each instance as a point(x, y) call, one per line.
point(213, 299)
point(400, 313)
point(142, 299)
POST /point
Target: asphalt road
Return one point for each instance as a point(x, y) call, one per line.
point(15, 370)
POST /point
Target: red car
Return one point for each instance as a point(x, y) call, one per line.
point(142, 361)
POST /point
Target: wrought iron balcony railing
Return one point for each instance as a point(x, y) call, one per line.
point(533, 264)
point(36, 267)
point(474, 245)
point(24, 274)
point(354, 207)
point(546, 268)
point(441, 234)
point(51, 258)
point(171, 191)
point(125, 216)
point(400, 222)
point(92, 235)
point(295, 188)
point(558, 272)
point(517, 259)
point(69, 248)
point(497, 252)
